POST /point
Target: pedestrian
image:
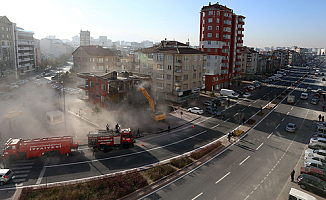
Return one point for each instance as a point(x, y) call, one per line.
point(229, 136)
point(322, 118)
point(323, 108)
point(228, 102)
point(169, 128)
point(138, 132)
point(243, 120)
point(107, 127)
point(223, 116)
point(117, 126)
point(319, 117)
point(324, 96)
point(292, 175)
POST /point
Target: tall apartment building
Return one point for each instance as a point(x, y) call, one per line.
point(85, 38)
point(25, 52)
point(7, 54)
point(249, 63)
point(221, 33)
point(176, 70)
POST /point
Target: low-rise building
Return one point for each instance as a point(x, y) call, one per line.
point(176, 69)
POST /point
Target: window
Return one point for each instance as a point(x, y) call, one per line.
point(186, 67)
point(168, 86)
point(226, 36)
point(185, 86)
point(217, 35)
point(209, 42)
point(208, 50)
point(159, 76)
point(203, 14)
point(103, 87)
point(169, 67)
point(186, 58)
point(226, 14)
point(144, 65)
point(209, 35)
point(91, 83)
point(217, 20)
point(159, 57)
point(218, 12)
point(194, 67)
point(208, 57)
point(195, 57)
point(209, 27)
point(203, 21)
point(210, 20)
point(169, 57)
point(92, 95)
point(199, 66)
point(185, 77)
point(100, 60)
point(168, 77)
point(199, 75)
point(208, 64)
point(210, 12)
point(150, 56)
point(227, 22)
point(227, 29)
point(194, 84)
point(217, 28)
point(150, 66)
point(102, 99)
point(159, 85)
point(194, 75)
point(160, 67)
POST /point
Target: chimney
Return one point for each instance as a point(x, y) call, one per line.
point(187, 43)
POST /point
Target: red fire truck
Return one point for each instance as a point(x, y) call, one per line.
point(53, 146)
point(102, 139)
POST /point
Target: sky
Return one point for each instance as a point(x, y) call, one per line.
point(277, 23)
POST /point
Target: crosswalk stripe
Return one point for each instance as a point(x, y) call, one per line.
point(21, 176)
point(21, 171)
point(22, 164)
point(18, 180)
point(18, 168)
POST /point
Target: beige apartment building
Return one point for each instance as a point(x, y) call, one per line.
point(249, 63)
point(176, 69)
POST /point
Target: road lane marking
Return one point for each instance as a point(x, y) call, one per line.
point(28, 167)
point(246, 197)
point(197, 196)
point(236, 114)
point(255, 101)
point(21, 176)
point(259, 146)
point(222, 178)
point(270, 135)
point(288, 113)
point(292, 108)
point(283, 119)
point(216, 126)
point(244, 160)
point(243, 109)
point(43, 171)
point(277, 126)
point(21, 172)
point(227, 120)
point(249, 105)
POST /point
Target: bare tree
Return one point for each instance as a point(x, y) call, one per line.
point(238, 117)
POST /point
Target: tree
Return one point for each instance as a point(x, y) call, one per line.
point(238, 117)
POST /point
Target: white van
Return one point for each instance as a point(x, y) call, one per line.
point(229, 93)
point(295, 194)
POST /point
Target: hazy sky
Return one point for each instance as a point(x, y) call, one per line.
point(268, 23)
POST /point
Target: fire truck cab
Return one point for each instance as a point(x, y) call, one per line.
point(102, 139)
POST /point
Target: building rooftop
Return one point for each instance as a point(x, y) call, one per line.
point(96, 51)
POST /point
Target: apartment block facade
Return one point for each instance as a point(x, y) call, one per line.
point(94, 59)
point(221, 38)
point(85, 38)
point(249, 63)
point(176, 70)
point(7, 54)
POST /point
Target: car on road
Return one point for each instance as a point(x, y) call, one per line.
point(317, 145)
point(314, 101)
point(217, 102)
point(5, 176)
point(196, 110)
point(207, 103)
point(246, 95)
point(312, 183)
point(252, 87)
point(213, 111)
point(304, 96)
point(240, 92)
point(314, 172)
point(309, 89)
point(317, 95)
point(291, 127)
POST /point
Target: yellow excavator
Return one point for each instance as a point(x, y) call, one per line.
point(157, 115)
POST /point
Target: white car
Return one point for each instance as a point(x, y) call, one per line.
point(251, 87)
point(5, 176)
point(316, 151)
point(246, 95)
point(304, 96)
point(318, 139)
point(196, 110)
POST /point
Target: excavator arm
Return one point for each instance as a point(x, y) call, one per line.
point(149, 98)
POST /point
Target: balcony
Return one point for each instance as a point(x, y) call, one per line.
point(178, 63)
point(178, 71)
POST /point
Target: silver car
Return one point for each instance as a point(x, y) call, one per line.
point(291, 127)
point(5, 176)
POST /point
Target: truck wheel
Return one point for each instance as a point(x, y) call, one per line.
point(1, 183)
point(125, 145)
point(56, 153)
point(13, 158)
point(102, 147)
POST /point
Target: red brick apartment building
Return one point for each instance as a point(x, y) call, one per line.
point(221, 33)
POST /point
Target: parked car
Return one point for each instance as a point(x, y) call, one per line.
point(315, 163)
point(196, 110)
point(295, 194)
point(257, 85)
point(309, 89)
point(318, 139)
point(291, 127)
point(252, 87)
point(240, 92)
point(5, 176)
point(304, 96)
point(322, 135)
point(314, 172)
point(311, 183)
point(314, 156)
point(317, 151)
point(314, 101)
point(317, 145)
point(213, 111)
point(217, 102)
point(207, 103)
point(248, 89)
point(246, 95)
point(317, 95)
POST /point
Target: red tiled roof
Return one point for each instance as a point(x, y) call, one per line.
point(96, 51)
point(171, 47)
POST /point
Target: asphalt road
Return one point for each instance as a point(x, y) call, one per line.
point(164, 146)
point(258, 166)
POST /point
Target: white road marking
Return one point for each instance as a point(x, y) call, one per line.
point(21, 176)
point(216, 126)
point(246, 197)
point(222, 178)
point(244, 160)
point(283, 119)
point(21, 164)
point(28, 167)
point(249, 105)
point(197, 196)
point(292, 108)
point(255, 101)
point(43, 171)
point(288, 113)
point(21, 172)
point(270, 135)
point(259, 146)
point(18, 180)
point(227, 120)
point(277, 126)
point(243, 109)
point(236, 114)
